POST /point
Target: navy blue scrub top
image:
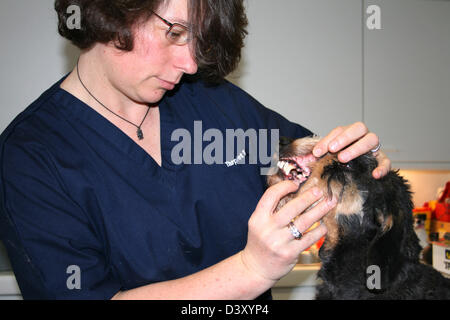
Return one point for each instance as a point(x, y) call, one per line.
point(85, 212)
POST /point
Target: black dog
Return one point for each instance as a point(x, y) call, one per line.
point(371, 250)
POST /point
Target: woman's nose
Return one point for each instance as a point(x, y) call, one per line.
point(186, 61)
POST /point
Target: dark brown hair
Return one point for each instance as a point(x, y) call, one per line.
point(218, 28)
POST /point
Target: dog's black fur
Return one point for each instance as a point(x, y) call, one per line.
point(364, 241)
point(380, 234)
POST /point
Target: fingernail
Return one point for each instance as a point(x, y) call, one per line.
point(332, 202)
point(334, 146)
point(317, 152)
point(317, 192)
point(344, 157)
point(378, 174)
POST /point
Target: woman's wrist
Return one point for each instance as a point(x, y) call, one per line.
point(253, 272)
point(255, 279)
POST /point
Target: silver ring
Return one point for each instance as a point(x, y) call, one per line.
point(377, 148)
point(294, 231)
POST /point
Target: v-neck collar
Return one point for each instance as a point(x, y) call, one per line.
point(74, 108)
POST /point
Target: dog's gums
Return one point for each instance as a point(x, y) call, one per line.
point(297, 168)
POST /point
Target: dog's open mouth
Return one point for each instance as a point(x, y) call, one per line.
point(297, 168)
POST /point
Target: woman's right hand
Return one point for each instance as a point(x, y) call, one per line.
point(271, 250)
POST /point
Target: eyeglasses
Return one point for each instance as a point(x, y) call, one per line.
point(177, 33)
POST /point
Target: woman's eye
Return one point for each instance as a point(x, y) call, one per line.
point(174, 35)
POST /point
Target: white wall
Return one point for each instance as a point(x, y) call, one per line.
point(33, 55)
point(425, 184)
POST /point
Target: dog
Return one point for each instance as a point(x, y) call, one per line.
point(371, 250)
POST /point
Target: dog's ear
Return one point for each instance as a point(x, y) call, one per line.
point(394, 241)
point(385, 220)
point(399, 202)
point(409, 246)
point(382, 248)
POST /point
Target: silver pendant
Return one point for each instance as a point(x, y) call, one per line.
point(140, 134)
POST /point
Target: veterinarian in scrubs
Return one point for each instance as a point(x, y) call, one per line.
point(94, 205)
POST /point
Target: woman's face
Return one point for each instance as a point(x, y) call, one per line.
point(155, 65)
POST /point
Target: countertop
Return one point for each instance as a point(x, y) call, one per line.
point(298, 284)
point(8, 286)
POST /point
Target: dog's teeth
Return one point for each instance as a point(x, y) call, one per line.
point(288, 168)
point(281, 164)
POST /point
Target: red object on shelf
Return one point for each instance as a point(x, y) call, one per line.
point(442, 211)
point(446, 193)
point(320, 242)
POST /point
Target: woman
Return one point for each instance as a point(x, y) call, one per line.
point(93, 204)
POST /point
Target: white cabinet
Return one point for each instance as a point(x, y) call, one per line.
point(317, 63)
point(407, 82)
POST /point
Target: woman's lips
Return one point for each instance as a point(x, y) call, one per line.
point(167, 84)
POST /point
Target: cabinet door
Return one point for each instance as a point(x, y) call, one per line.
point(407, 81)
point(303, 59)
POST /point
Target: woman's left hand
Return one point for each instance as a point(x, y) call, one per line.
point(351, 142)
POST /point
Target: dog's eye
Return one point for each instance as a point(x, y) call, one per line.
point(284, 141)
point(347, 165)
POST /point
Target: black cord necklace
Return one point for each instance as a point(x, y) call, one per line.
point(139, 132)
